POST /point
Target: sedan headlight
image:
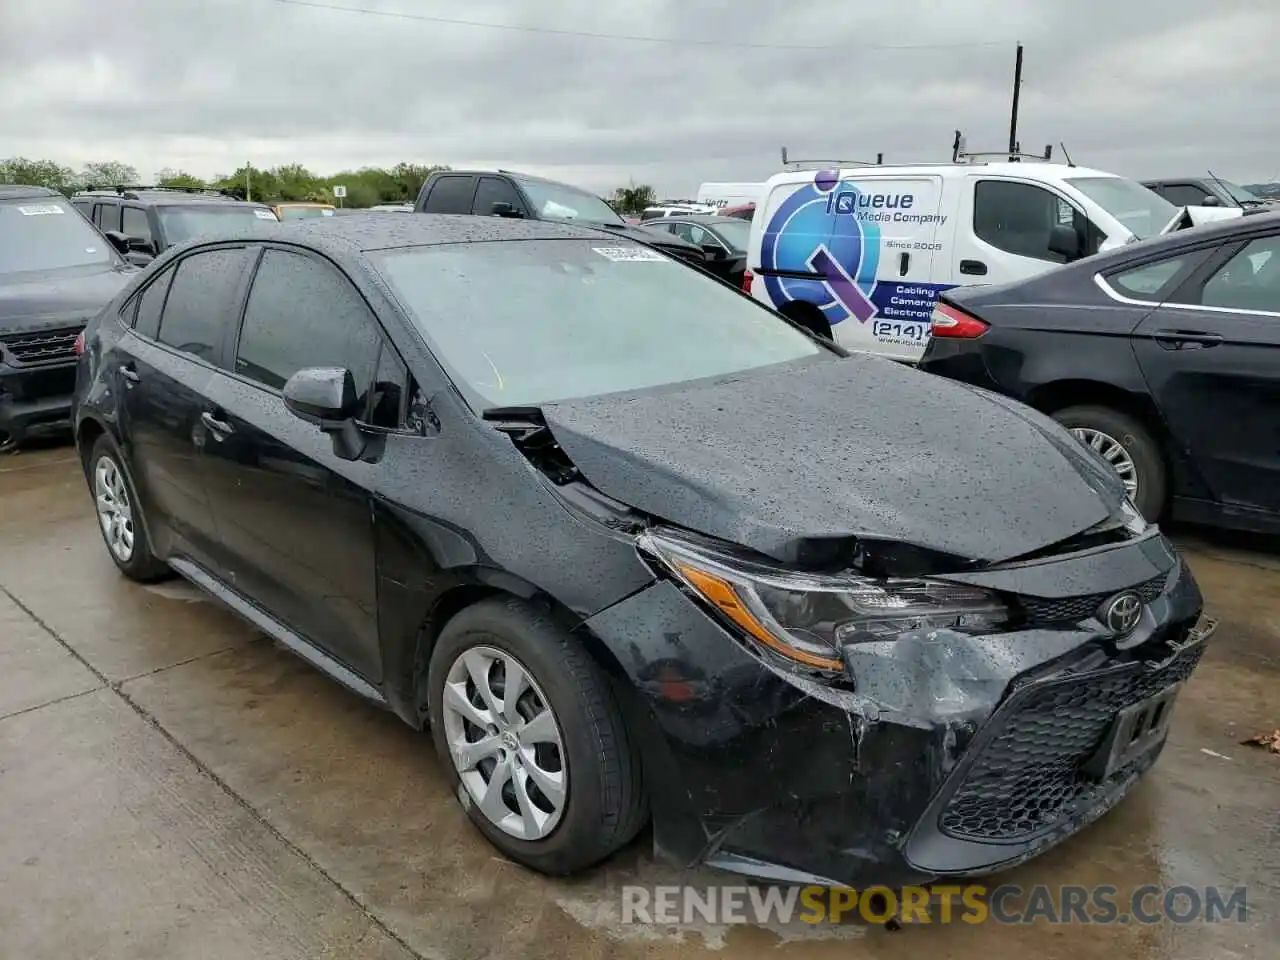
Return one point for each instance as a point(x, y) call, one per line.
point(808, 618)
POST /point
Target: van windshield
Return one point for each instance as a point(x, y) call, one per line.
point(1142, 212)
point(535, 321)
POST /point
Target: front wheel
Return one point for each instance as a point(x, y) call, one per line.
point(1128, 446)
point(532, 737)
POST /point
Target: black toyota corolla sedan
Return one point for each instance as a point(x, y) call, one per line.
point(632, 546)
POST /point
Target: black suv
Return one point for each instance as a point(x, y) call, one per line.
point(502, 193)
point(146, 221)
point(56, 272)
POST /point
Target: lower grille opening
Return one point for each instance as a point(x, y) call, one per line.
point(44, 346)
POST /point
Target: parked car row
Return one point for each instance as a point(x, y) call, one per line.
point(634, 547)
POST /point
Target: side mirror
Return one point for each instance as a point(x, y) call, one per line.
point(1211, 201)
point(1064, 240)
point(326, 396)
point(501, 209)
point(142, 245)
point(118, 240)
point(713, 251)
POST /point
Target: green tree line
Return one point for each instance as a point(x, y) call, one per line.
point(365, 187)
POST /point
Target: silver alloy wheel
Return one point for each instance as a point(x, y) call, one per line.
point(505, 742)
point(115, 512)
point(1113, 451)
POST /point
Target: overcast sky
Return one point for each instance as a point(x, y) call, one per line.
point(1137, 87)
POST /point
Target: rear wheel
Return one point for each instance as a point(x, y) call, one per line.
point(532, 737)
point(119, 515)
point(1128, 446)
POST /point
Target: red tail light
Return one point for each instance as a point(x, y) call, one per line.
point(949, 321)
point(747, 278)
point(79, 344)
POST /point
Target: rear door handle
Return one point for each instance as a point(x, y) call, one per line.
point(129, 374)
point(974, 268)
point(219, 428)
point(1186, 339)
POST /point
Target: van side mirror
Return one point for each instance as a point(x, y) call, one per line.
point(326, 396)
point(1065, 241)
point(1211, 201)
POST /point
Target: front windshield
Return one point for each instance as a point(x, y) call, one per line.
point(532, 322)
point(556, 201)
point(1142, 212)
point(47, 233)
point(303, 213)
point(734, 232)
point(1238, 193)
point(183, 223)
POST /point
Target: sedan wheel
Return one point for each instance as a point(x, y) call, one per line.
point(505, 743)
point(115, 511)
point(1113, 451)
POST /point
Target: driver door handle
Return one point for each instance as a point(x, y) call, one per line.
point(128, 373)
point(1186, 339)
point(219, 428)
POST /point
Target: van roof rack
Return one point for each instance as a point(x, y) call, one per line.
point(787, 162)
point(959, 153)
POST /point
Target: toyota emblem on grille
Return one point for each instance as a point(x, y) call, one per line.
point(1121, 613)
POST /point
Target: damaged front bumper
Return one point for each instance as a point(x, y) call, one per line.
point(943, 754)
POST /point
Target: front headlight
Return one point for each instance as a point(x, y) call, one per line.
point(808, 618)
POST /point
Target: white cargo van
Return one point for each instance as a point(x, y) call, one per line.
point(718, 195)
point(861, 252)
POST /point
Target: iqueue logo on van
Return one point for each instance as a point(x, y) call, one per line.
point(832, 231)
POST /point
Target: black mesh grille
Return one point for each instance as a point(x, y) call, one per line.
point(1073, 609)
point(1030, 776)
point(42, 347)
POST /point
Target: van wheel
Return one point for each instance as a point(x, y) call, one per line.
point(808, 316)
point(1128, 446)
point(532, 737)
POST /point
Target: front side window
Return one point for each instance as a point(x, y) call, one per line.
point(1183, 194)
point(1019, 218)
point(494, 190)
point(201, 302)
point(1248, 281)
point(303, 313)
point(134, 223)
point(533, 322)
point(46, 233)
point(183, 223)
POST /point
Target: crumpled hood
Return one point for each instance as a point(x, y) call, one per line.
point(794, 456)
point(60, 295)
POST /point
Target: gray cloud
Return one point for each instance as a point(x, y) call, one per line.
point(1141, 88)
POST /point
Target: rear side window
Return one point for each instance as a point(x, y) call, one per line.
point(494, 190)
point(450, 195)
point(150, 303)
point(303, 313)
point(201, 300)
point(1019, 217)
point(1147, 281)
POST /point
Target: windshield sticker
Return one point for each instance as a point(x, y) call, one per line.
point(627, 254)
point(264, 214)
point(40, 209)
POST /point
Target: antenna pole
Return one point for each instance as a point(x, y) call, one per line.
point(1013, 118)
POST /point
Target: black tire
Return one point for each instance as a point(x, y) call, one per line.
point(142, 565)
point(1141, 446)
point(605, 805)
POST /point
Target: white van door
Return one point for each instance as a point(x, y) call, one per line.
point(884, 241)
point(1004, 229)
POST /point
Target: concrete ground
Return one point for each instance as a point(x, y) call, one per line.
point(174, 786)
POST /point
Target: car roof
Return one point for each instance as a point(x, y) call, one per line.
point(373, 231)
point(710, 219)
point(18, 191)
